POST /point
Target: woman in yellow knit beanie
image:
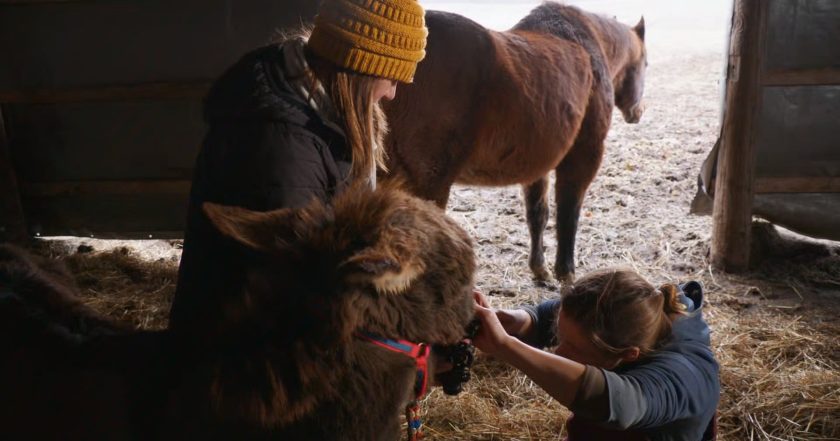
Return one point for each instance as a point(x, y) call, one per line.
point(291, 122)
point(359, 50)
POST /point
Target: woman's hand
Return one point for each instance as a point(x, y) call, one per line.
point(491, 336)
point(559, 376)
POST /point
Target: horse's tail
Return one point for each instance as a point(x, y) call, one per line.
point(571, 24)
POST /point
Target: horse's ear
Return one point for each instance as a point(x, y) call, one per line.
point(639, 29)
point(387, 270)
point(261, 231)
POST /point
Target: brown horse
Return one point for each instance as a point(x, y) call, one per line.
point(500, 108)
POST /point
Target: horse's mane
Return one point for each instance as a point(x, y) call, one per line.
point(589, 30)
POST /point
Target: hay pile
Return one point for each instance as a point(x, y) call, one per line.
point(116, 282)
point(775, 329)
point(775, 335)
point(781, 378)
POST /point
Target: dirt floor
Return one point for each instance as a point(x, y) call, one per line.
point(775, 329)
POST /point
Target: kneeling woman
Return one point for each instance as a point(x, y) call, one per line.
point(631, 361)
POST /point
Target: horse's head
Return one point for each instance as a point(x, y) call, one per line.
point(379, 261)
point(630, 82)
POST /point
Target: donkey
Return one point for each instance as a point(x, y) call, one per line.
point(302, 353)
point(500, 108)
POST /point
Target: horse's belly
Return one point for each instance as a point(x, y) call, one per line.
point(520, 164)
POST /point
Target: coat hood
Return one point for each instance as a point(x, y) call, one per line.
point(258, 87)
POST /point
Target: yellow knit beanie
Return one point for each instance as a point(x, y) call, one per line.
point(383, 38)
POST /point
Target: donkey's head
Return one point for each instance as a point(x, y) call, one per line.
point(378, 261)
point(630, 81)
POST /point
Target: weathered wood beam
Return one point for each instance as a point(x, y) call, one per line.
point(53, 189)
point(801, 77)
point(732, 216)
point(12, 220)
point(23, 2)
point(826, 184)
point(197, 89)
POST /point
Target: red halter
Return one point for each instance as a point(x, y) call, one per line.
point(419, 352)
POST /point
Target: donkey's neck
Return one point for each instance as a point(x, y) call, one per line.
point(269, 385)
point(289, 390)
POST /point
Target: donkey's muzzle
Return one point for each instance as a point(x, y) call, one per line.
point(461, 357)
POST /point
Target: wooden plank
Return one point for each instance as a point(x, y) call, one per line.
point(113, 215)
point(801, 77)
point(12, 220)
point(732, 216)
point(24, 2)
point(54, 189)
point(151, 91)
point(125, 42)
point(798, 185)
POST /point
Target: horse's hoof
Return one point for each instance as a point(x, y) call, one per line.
point(566, 279)
point(541, 275)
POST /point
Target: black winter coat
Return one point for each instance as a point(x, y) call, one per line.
point(266, 148)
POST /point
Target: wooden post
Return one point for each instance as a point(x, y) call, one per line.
point(732, 216)
point(12, 223)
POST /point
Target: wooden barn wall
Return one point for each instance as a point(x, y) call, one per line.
point(97, 42)
point(102, 103)
point(797, 144)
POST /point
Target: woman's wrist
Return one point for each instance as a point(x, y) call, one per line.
point(557, 375)
point(507, 349)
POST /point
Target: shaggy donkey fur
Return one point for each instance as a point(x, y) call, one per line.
point(283, 362)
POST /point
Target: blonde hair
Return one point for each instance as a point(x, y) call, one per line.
point(348, 103)
point(619, 309)
point(363, 120)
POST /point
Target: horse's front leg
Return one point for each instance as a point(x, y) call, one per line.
point(572, 179)
point(574, 174)
point(569, 200)
point(536, 212)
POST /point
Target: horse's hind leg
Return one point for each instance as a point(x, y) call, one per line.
point(536, 212)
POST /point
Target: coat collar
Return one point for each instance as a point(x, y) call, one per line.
point(268, 84)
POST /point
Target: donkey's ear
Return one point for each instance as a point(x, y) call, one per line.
point(639, 29)
point(384, 269)
point(257, 230)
